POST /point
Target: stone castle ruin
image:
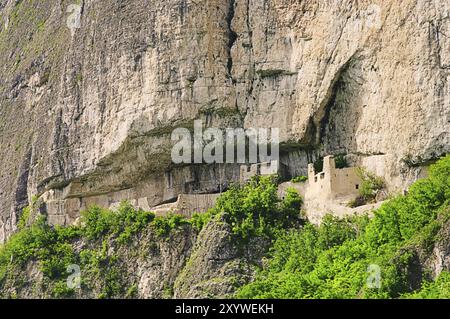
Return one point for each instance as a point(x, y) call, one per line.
point(332, 183)
point(187, 204)
point(186, 191)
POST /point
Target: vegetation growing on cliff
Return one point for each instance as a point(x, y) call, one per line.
point(371, 184)
point(54, 249)
point(369, 189)
point(333, 260)
point(256, 211)
point(356, 257)
point(299, 179)
point(251, 211)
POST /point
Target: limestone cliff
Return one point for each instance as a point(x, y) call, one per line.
point(86, 110)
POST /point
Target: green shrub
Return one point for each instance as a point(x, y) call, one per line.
point(132, 292)
point(164, 225)
point(334, 232)
point(299, 179)
point(123, 223)
point(199, 220)
point(96, 222)
point(39, 242)
point(61, 290)
point(289, 208)
point(255, 210)
point(24, 218)
point(52, 248)
point(370, 184)
point(439, 289)
point(340, 161)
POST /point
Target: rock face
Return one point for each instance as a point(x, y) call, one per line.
point(217, 265)
point(439, 260)
point(90, 93)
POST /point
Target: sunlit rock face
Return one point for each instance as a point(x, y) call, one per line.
point(86, 109)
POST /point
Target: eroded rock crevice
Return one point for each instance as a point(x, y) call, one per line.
point(232, 36)
point(21, 193)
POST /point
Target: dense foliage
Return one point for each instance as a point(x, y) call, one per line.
point(53, 248)
point(255, 210)
point(371, 184)
point(299, 179)
point(337, 259)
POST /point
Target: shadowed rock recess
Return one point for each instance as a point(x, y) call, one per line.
point(86, 112)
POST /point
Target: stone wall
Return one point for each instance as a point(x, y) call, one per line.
point(247, 172)
point(332, 184)
point(63, 206)
point(345, 182)
point(187, 204)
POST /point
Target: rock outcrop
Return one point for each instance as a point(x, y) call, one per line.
point(90, 92)
point(219, 265)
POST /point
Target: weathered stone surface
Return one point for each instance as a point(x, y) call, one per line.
point(88, 111)
point(439, 259)
point(218, 264)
